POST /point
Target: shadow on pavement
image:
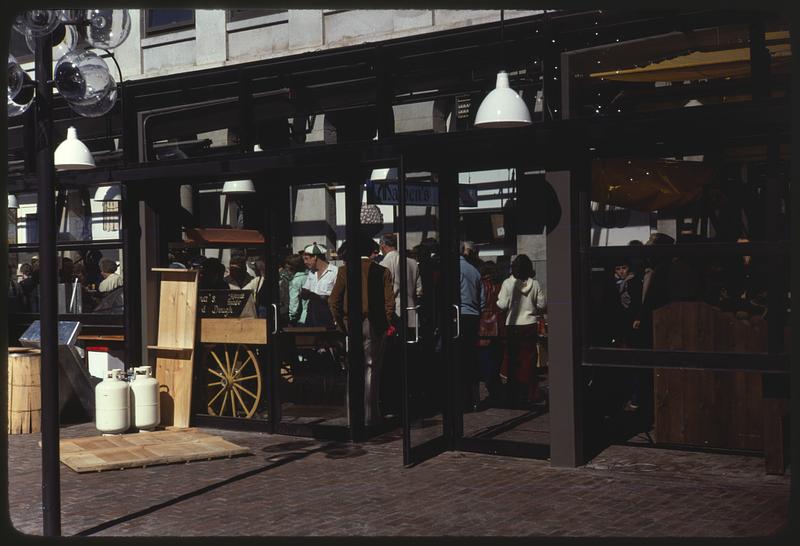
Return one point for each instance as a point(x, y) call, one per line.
point(281, 454)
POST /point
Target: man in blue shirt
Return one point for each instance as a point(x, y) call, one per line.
point(473, 300)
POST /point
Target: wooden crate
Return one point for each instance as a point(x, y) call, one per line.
point(24, 390)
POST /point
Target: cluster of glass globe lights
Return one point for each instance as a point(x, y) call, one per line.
point(81, 76)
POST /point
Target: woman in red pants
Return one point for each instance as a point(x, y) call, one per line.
point(523, 299)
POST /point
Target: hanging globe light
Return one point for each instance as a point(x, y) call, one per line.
point(82, 78)
point(108, 28)
point(16, 76)
point(17, 109)
point(71, 16)
point(20, 95)
point(65, 39)
point(99, 108)
point(37, 22)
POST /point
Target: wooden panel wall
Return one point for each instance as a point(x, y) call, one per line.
point(702, 407)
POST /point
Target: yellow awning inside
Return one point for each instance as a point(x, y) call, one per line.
point(734, 63)
point(647, 184)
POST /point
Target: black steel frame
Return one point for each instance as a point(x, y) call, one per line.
point(553, 144)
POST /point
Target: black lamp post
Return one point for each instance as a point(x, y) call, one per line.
point(105, 29)
point(48, 279)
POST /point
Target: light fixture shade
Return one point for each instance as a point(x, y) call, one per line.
point(238, 187)
point(12, 202)
point(503, 107)
point(698, 158)
point(72, 154)
point(108, 193)
point(387, 173)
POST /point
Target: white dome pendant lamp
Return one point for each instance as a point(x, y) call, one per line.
point(72, 154)
point(503, 107)
point(240, 187)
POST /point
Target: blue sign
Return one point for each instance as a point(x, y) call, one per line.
point(426, 195)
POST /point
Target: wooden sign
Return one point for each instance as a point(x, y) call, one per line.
point(223, 303)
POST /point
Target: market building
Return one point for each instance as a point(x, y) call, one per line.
point(657, 140)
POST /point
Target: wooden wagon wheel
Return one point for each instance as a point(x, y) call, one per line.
point(234, 381)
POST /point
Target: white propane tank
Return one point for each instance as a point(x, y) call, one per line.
point(144, 399)
point(111, 403)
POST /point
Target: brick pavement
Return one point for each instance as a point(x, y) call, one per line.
point(303, 487)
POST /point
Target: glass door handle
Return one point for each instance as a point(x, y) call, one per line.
point(416, 324)
point(458, 321)
point(275, 319)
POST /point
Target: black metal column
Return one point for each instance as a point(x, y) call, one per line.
point(449, 242)
point(794, 376)
point(273, 200)
point(402, 312)
point(48, 272)
point(355, 354)
point(131, 258)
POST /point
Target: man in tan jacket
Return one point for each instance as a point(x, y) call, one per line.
point(377, 308)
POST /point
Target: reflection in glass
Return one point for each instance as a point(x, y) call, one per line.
point(81, 275)
point(691, 201)
point(683, 303)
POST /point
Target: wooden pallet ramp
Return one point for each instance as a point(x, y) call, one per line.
point(137, 450)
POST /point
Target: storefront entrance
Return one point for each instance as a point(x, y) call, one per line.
point(439, 364)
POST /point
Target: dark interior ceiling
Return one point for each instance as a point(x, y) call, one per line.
point(452, 62)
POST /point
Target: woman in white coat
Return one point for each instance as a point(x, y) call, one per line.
point(523, 299)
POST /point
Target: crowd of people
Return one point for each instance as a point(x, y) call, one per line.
point(99, 284)
point(498, 316)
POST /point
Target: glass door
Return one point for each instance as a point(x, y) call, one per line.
point(419, 253)
point(502, 378)
point(308, 371)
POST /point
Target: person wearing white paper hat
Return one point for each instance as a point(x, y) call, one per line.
point(318, 285)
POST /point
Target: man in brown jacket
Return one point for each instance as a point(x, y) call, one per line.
point(377, 307)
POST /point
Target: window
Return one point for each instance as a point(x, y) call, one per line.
point(110, 215)
point(89, 232)
point(242, 14)
point(166, 20)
